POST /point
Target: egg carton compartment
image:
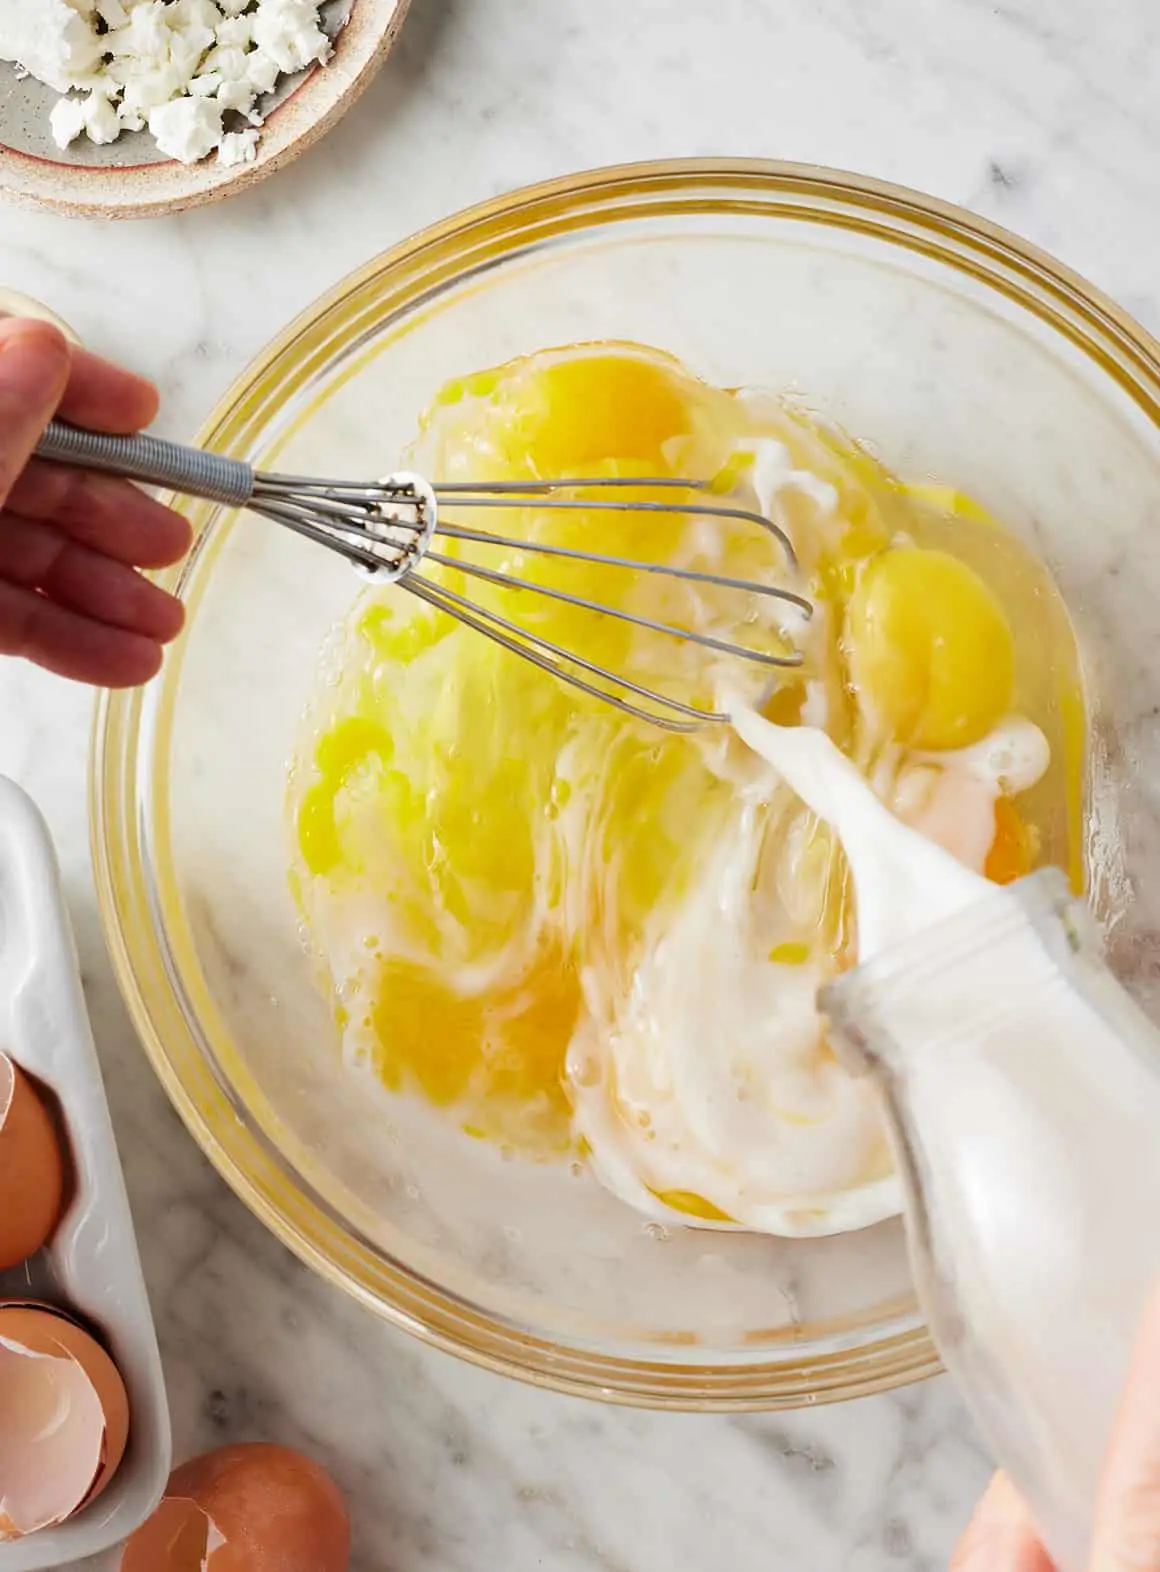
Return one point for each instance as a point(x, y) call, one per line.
point(90, 1267)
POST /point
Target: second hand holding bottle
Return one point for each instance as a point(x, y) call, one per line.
point(1021, 1086)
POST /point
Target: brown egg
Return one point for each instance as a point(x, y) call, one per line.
point(245, 1508)
point(31, 1167)
point(64, 1418)
point(174, 1539)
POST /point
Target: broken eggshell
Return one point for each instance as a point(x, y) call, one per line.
point(245, 1508)
point(31, 1167)
point(64, 1418)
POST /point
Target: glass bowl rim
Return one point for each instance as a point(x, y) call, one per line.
point(898, 1351)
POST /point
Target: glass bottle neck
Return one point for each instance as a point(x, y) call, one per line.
point(964, 978)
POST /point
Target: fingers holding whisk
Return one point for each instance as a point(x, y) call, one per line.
point(389, 529)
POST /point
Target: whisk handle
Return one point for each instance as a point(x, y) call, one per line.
point(151, 460)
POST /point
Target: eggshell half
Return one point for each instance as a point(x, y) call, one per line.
point(64, 1418)
point(245, 1508)
point(31, 1167)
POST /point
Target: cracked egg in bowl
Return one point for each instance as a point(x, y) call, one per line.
point(496, 1002)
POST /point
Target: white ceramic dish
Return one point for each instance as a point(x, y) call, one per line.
point(90, 1266)
point(130, 179)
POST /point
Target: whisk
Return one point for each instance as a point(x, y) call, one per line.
point(391, 527)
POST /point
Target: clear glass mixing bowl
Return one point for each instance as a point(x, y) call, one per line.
point(959, 354)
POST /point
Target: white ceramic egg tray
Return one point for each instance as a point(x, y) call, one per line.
point(90, 1266)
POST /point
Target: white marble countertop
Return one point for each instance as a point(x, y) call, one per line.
point(1045, 118)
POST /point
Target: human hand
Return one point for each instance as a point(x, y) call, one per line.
point(1126, 1533)
point(71, 598)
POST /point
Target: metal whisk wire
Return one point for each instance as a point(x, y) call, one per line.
point(389, 529)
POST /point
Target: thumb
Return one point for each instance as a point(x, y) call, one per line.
point(35, 360)
point(1126, 1537)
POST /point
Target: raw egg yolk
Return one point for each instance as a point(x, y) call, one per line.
point(692, 1205)
point(1011, 855)
point(576, 415)
point(931, 653)
point(351, 744)
point(499, 1056)
point(608, 412)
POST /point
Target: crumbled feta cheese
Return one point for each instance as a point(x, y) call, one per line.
point(67, 120)
point(151, 88)
point(238, 147)
point(185, 56)
point(238, 96)
point(235, 32)
point(146, 34)
point(195, 36)
point(93, 82)
point(187, 128)
point(101, 123)
point(50, 39)
point(289, 33)
point(185, 14)
point(261, 71)
point(230, 64)
point(179, 66)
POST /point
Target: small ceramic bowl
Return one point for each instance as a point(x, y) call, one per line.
point(130, 179)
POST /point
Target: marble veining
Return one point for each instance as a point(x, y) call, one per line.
point(1043, 118)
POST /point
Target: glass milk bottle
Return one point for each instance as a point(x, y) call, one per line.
point(1022, 1088)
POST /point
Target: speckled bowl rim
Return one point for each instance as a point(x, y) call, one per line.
point(845, 1363)
point(153, 190)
